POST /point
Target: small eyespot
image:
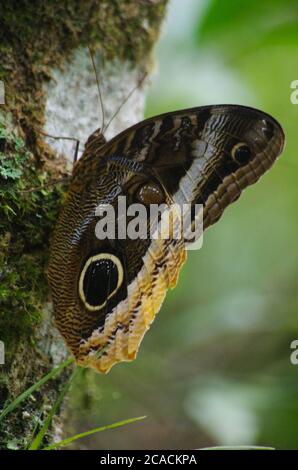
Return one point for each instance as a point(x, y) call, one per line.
point(100, 279)
point(150, 193)
point(241, 153)
point(267, 129)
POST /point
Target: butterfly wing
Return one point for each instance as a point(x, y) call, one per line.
point(205, 156)
point(202, 147)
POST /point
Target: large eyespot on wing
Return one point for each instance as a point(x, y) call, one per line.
point(100, 279)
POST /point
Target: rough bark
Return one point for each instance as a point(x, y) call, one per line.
point(50, 84)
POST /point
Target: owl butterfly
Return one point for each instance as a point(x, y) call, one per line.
point(106, 293)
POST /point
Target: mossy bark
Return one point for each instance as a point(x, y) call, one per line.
point(39, 43)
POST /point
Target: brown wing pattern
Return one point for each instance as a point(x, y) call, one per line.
point(202, 155)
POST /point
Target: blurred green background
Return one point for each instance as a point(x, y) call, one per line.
point(215, 367)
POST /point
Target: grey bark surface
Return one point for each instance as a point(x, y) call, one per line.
point(50, 85)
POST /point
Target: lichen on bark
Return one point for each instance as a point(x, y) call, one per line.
point(38, 42)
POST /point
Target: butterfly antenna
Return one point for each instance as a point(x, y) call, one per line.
point(98, 88)
point(140, 82)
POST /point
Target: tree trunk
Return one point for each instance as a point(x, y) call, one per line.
point(50, 85)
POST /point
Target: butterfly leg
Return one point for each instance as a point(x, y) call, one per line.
point(62, 180)
point(75, 157)
point(58, 137)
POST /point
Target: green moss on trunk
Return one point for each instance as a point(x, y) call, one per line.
point(26, 220)
point(35, 38)
point(38, 36)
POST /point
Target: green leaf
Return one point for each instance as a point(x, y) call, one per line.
point(15, 403)
point(35, 445)
point(93, 431)
point(237, 448)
